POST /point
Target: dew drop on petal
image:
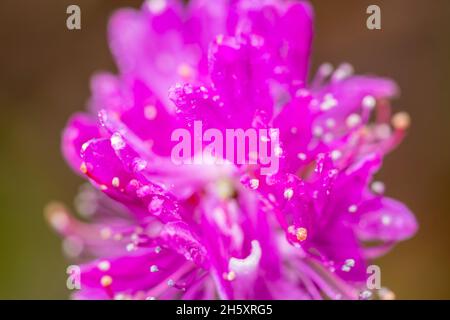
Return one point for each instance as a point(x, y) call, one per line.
point(104, 265)
point(254, 184)
point(117, 142)
point(386, 220)
point(353, 120)
point(115, 182)
point(155, 206)
point(154, 268)
point(301, 156)
point(131, 247)
point(336, 154)
point(288, 193)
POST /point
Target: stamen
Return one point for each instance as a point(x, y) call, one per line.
point(401, 121)
point(115, 182)
point(386, 294)
point(378, 187)
point(301, 234)
point(369, 102)
point(156, 6)
point(83, 167)
point(230, 276)
point(342, 72)
point(106, 281)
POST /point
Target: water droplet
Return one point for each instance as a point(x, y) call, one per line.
point(301, 156)
point(254, 184)
point(154, 268)
point(328, 103)
point(104, 265)
point(155, 206)
point(117, 142)
point(115, 182)
point(386, 220)
point(336, 154)
point(353, 120)
point(288, 193)
point(318, 131)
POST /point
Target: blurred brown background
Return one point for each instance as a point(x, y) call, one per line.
point(44, 77)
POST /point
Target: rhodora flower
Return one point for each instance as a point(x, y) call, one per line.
point(204, 231)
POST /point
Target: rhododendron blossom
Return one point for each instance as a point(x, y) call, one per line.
point(224, 229)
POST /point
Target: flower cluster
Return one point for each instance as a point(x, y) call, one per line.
point(158, 230)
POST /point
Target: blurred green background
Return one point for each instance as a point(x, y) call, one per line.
point(44, 77)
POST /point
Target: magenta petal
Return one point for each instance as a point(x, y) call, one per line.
point(80, 129)
point(295, 124)
point(109, 92)
point(385, 219)
point(240, 71)
point(286, 27)
point(143, 270)
point(149, 119)
point(179, 236)
point(348, 95)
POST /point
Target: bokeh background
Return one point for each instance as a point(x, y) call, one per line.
point(44, 77)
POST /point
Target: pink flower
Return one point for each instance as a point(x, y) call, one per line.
point(204, 231)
